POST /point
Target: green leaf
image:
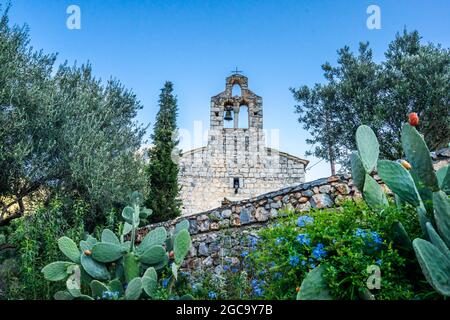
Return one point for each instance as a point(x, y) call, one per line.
point(153, 255)
point(97, 289)
point(107, 252)
point(442, 215)
point(93, 268)
point(183, 224)
point(374, 194)
point(418, 154)
point(358, 171)
point(144, 213)
point(63, 295)
point(127, 228)
point(314, 286)
point(116, 286)
point(154, 238)
point(128, 214)
point(69, 248)
point(436, 240)
point(130, 266)
point(181, 245)
point(368, 147)
point(56, 271)
point(110, 237)
point(134, 289)
point(434, 264)
point(150, 282)
point(398, 179)
point(443, 175)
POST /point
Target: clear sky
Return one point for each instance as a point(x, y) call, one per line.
point(196, 43)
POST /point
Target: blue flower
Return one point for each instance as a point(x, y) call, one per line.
point(258, 291)
point(379, 262)
point(234, 269)
point(262, 272)
point(253, 241)
point(165, 282)
point(110, 295)
point(212, 295)
point(303, 238)
point(279, 240)
point(312, 265)
point(360, 233)
point(294, 260)
point(376, 237)
point(226, 267)
point(319, 251)
point(304, 220)
point(244, 254)
point(303, 263)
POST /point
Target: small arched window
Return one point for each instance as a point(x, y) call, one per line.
point(236, 90)
point(243, 116)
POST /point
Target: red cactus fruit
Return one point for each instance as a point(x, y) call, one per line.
point(406, 165)
point(413, 119)
point(297, 289)
point(171, 254)
point(87, 252)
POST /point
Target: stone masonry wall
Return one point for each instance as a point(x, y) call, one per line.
point(221, 234)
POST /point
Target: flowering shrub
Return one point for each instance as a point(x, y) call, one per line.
point(346, 240)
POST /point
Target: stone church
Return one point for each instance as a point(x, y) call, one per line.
point(235, 164)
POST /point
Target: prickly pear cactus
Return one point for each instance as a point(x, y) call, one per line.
point(314, 286)
point(414, 182)
point(112, 264)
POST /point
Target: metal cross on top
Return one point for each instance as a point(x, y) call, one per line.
point(236, 71)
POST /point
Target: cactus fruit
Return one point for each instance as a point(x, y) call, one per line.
point(405, 164)
point(413, 119)
point(171, 255)
point(87, 252)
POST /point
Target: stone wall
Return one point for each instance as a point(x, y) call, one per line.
point(221, 234)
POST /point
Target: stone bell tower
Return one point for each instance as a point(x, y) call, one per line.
point(235, 164)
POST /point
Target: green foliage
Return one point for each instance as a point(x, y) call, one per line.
point(63, 132)
point(162, 170)
point(314, 286)
point(344, 242)
point(432, 256)
point(358, 90)
point(120, 261)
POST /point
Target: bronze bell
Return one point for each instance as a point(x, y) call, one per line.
point(228, 116)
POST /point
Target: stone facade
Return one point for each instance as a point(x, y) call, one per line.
point(221, 234)
point(235, 164)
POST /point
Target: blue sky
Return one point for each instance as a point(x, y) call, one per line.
point(196, 43)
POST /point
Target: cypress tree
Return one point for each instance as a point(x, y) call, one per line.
point(162, 171)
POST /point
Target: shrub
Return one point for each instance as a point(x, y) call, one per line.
point(345, 241)
point(115, 267)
